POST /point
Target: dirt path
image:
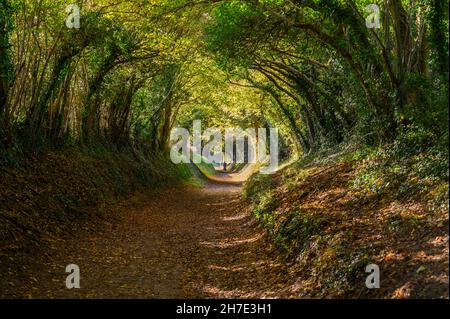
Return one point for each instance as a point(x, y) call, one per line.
point(182, 243)
point(233, 178)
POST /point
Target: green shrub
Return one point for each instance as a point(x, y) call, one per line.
point(415, 163)
point(257, 184)
point(296, 231)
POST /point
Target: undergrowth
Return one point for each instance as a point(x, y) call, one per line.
point(332, 213)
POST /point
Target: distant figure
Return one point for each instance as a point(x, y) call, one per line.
point(224, 167)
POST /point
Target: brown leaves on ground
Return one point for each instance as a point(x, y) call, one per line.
point(181, 243)
point(407, 239)
point(50, 197)
point(189, 242)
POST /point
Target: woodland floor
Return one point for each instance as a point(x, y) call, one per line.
point(204, 242)
point(181, 243)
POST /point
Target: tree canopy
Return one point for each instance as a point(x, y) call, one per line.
point(135, 69)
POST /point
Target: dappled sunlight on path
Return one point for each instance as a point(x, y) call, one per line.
point(233, 178)
point(181, 243)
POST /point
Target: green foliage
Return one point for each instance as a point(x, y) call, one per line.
point(310, 68)
point(256, 185)
point(439, 25)
point(401, 224)
point(264, 207)
point(291, 231)
point(275, 45)
point(230, 31)
point(295, 233)
point(205, 167)
point(415, 163)
point(6, 67)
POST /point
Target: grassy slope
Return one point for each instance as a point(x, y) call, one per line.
point(332, 217)
point(205, 167)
